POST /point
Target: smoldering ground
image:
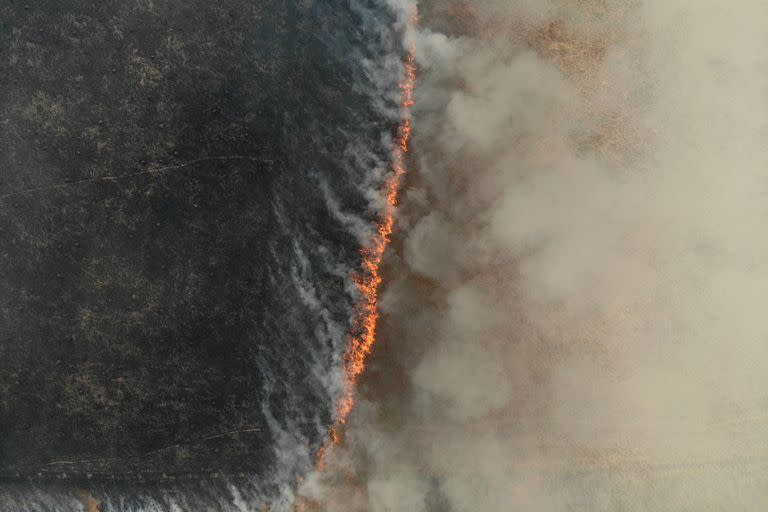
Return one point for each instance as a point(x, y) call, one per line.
point(573, 315)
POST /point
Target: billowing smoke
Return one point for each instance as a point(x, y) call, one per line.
point(575, 312)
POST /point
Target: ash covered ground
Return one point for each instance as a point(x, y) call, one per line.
point(176, 183)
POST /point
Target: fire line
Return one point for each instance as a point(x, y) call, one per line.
point(368, 278)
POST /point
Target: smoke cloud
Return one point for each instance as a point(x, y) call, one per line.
point(574, 314)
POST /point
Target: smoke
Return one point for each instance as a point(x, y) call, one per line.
point(574, 316)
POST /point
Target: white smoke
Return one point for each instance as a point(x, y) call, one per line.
point(575, 318)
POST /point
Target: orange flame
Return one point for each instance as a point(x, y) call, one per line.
point(368, 278)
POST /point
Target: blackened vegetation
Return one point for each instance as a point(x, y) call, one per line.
point(159, 168)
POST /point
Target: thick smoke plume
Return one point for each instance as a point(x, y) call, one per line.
point(575, 313)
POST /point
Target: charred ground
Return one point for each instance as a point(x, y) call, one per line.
point(145, 150)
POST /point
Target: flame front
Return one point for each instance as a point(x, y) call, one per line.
point(368, 279)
